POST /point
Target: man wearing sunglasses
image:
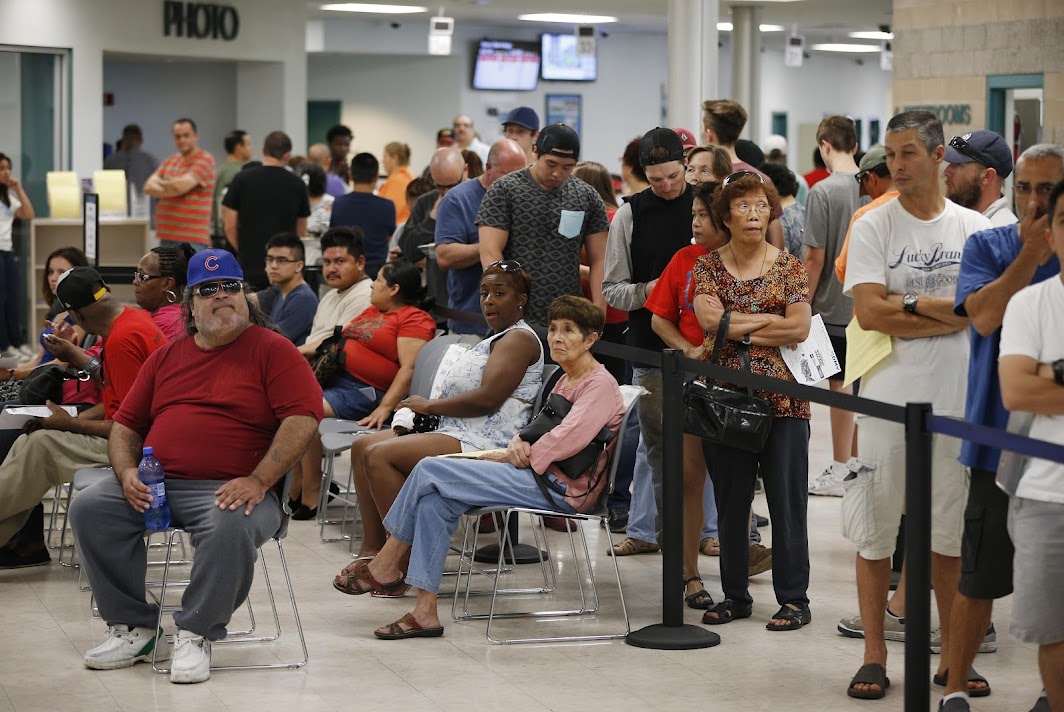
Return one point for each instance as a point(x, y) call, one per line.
point(228, 411)
point(50, 456)
point(979, 162)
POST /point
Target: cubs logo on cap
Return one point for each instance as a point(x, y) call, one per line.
point(213, 266)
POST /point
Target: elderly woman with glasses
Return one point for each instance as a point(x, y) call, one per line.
point(485, 396)
point(767, 292)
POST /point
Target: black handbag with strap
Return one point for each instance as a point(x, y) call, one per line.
point(329, 357)
point(738, 419)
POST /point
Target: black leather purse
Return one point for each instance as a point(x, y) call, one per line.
point(329, 357)
point(45, 383)
point(737, 419)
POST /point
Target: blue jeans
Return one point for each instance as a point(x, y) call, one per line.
point(438, 492)
point(621, 497)
point(642, 514)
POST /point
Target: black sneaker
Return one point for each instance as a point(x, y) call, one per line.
point(11, 559)
point(618, 520)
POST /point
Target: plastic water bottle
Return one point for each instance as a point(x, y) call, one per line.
point(150, 471)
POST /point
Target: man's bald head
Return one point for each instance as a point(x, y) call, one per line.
point(505, 156)
point(447, 167)
point(319, 153)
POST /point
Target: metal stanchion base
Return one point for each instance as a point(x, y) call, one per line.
point(523, 553)
point(664, 637)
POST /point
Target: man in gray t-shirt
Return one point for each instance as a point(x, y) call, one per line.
point(541, 217)
point(828, 209)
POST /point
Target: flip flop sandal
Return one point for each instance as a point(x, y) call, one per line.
point(699, 600)
point(351, 583)
point(727, 611)
point(395, 631)
point(630, 546)
point(710, 546)
point(796, 615)
point(943, 679)
point(870, 674)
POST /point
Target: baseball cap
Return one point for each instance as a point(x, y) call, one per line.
point(687, 138)
point(774, 144)
point(444, 137)
point(558, 140)
point(667, 139)
point(79, 287)
point(875, 156)
point(213, 266)
point(985, 147)
point(523, 116)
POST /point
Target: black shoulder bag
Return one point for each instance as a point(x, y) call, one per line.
point(737, 419)
point(329, 357)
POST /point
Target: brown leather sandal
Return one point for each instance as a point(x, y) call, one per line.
point(630, 546)
point(354, 583)
point(395, 631)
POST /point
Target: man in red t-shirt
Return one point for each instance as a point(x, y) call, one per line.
point(63, 444)
point(227, 411)
point(184, 185)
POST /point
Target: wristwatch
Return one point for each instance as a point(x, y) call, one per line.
point(908, 302)
point(1058, 371)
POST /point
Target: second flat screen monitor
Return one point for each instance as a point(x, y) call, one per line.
point(561, 61)
point(506, 66)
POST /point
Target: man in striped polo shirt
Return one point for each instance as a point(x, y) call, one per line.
point(184, 185)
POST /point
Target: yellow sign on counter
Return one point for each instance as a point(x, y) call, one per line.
point(111, 187)
point(64, 194)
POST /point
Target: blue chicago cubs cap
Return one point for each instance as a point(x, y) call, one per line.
point(213, 266)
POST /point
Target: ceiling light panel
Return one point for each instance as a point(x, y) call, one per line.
point(374, 8)
point(569, 19)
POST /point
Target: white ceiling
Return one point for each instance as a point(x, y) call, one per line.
point(817, 20)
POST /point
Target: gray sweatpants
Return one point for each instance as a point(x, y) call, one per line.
point(110, 537)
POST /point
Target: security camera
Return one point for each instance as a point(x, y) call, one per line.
point(604, 35)
point(395, 25)
point(860, 62)
point(884, 28)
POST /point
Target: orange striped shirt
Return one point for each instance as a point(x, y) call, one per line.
point(187, 218)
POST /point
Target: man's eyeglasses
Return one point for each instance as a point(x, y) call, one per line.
point(1042, 189)
point(444, 188)
point(282, 261)
point(506, 265)
point(211, 288)
point(739, 175)
point(141, 277)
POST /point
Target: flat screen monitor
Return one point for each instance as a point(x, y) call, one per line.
point(506, 66)
point(561, 61)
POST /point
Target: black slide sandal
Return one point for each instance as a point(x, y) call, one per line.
point(870, 674)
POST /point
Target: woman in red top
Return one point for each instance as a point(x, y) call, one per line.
point(671, 304)
point(767, 292)
point(381, 346)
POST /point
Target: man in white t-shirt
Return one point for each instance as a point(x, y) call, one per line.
point(343, 265)
point(904, 262)
point(1031, 366)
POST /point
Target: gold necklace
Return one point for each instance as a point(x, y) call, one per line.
point(736, 260)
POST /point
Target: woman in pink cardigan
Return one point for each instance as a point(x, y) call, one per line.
point(439, 490)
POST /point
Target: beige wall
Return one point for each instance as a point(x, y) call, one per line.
point(945, 49)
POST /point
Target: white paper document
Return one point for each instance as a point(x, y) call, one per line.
point(37, 411)
point(814, 359)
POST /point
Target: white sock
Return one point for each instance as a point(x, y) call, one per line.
point(839, 469)
point(950, 696)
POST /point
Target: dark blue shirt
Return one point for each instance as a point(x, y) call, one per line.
point(376, 217)
point(456, 223)
point(294, 314)
point(986, 256)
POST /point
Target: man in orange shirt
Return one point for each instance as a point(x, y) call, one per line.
point(184, 185)
point(875, 181)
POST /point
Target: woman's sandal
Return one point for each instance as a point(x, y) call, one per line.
point(727, 611)
point(870, 674)
point(395, 631)
point(973, 676)
point(353, 583)
point(710, 546)
point(629, 546)
point(796, 615)
point(699, 600)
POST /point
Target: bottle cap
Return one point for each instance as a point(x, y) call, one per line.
point(147, 451)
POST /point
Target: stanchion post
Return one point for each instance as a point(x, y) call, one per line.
point(917, 556)
point(672, 633)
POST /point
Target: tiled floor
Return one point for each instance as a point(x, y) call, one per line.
point(47, 625)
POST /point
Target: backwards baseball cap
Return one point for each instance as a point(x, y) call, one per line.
point(687, 138)
point(873, 158)
point(666, 139)
point(558, 140)
point(774, 146)
point(445, 137)
point(523, 116)
point(213, 266)
point(79, 287)
point(985, 147)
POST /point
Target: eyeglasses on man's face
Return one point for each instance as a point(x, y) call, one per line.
point(211, 288)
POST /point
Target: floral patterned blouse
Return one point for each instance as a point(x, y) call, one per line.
point(785, 283)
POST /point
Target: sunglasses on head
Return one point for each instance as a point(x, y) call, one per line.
point(964, 147)
point(506, 265)
point(739, 175)
point(211, 288)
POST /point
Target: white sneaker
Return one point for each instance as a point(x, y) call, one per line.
point(829, 484)
point(124, 647)
point(192, 658)
point(987, 645)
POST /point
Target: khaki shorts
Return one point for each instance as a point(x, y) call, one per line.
point(875, 496)
point(1037, 530)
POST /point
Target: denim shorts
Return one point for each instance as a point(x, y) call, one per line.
point(350, 398)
